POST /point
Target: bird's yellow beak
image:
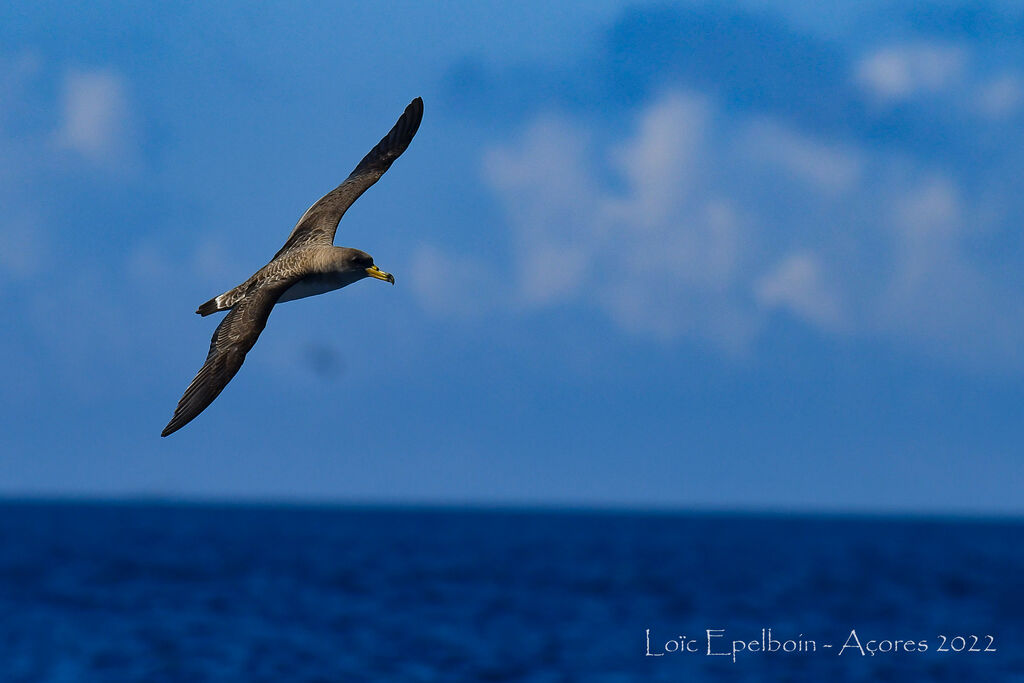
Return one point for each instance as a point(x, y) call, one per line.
point(374, 271)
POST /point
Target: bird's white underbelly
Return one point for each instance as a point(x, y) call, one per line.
point(313, 285)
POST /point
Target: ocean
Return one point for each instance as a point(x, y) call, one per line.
point(161, 592)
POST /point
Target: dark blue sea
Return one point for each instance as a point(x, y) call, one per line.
point(153, 592)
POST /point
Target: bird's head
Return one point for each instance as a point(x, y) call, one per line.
point(361, 263)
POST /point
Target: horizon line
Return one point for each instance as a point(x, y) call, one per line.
point(512, 506)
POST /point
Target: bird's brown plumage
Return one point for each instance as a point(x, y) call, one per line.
point(302, 254)
point(319, 223)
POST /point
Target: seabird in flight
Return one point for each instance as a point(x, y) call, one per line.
point(306, 265)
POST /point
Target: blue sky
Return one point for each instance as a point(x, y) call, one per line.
point(748, 256)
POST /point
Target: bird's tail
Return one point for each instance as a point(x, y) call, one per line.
point(223, 302)
point(209, 307)
point(227, 300)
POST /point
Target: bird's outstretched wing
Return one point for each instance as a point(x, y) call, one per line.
point(235, 335)
point(320, 221)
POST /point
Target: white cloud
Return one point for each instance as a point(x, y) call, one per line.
point(798, 284)
point(95, 116)
point(943, 72)
point(899, 72)
point(675, 231)
point(657, 256)
point(660, 160)
point(446, 283)
point(550, 195)
point(1000, 97)
point(929, 214)
point(828, 166)
point(937, 295)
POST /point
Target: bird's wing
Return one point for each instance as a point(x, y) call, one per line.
point(320, 221)
point(235, 335)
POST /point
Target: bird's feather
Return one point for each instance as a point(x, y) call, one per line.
point(250, 303)
point(320, 221)
point(233, 338)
